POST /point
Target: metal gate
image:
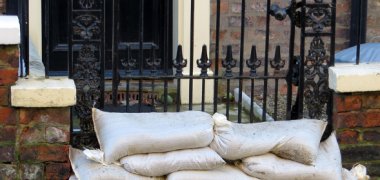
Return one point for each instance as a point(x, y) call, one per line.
point(305, 67)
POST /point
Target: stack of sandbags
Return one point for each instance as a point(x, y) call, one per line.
point(279, 150)
point(155, 144)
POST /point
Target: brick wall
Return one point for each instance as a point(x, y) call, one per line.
point(373, 21)
point(357, 120)
point(33, 141)
point(2, 6)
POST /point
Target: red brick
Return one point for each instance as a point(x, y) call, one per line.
point(57, 134)
point(45, 153)
point(223, 7)
point(8, 76)
point(8, 134)
point(9, 56)
point(348, 137)
point(32, 171)
point(371, 102)
point(346, 103)
point(347, 120)
point(7, 116)
point(371, 118)
point(4, 96)
point(57, 171)
point(45, 115)
point(30, 135)
point(372, 136)
point(7, 154)
point(222, 34)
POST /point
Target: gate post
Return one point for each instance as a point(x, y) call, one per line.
point(356, 116)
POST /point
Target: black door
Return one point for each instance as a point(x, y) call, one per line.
point(157, 32)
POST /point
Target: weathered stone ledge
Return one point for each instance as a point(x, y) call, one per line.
point(43, 93)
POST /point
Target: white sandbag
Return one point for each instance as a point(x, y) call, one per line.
point(297, 140)
point(159, 164)
point(347, 175)
point(122, 134)
point(360, 172)
point(86, 169)
point(226, 172)
point(327, 166)
point(73, 177)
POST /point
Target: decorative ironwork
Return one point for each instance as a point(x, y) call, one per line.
point(204, 63)
point(88, 81)
point(277, 62)
point(86, 27)
point(153, 62)
point(253, 63)
point(86, 4)
point(318, 17)
point(229, 62)
point(179, 63)
point(316, 78)
point(128, 63)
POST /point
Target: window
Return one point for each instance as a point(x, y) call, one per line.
point(157, 31)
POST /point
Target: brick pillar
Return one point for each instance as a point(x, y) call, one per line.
point(34, 136)
point(44, 136)
point(8, 115)
point(357, 120)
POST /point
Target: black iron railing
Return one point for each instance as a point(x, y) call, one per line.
point(305, 67)
point(358, 25)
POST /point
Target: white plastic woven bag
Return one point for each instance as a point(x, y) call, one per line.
point(226, 172)
point(86, 169)
point(297, 140)
point(327, 166)
point(122, 134)
point(159, 164)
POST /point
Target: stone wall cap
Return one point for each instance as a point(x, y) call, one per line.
point(43, 93)
point(9, 30)
point(348, 78)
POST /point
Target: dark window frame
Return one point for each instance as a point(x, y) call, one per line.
point(55, 44)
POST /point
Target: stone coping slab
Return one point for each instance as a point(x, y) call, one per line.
point(43, 93)
point(9, 30)
point(348, 78)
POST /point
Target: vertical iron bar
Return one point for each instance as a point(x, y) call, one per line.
point(46, 36)
point(115, 50)
point(166, 55)
point(69, 39)
point(241, 59)
point(191, 55)
point(178, 94)
point(266, 60)
point(70, 62)
point(127, 94)
point(333, 28)
point(275, 99)
point(290, 65)
point(102, 56)
point(359, 32)
point(329, 107)
point(302, 70)
point(203, 94)
point(251, 114)
point(228, 99)
point(26, 37)
point(141, 51)
point(216, 72)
